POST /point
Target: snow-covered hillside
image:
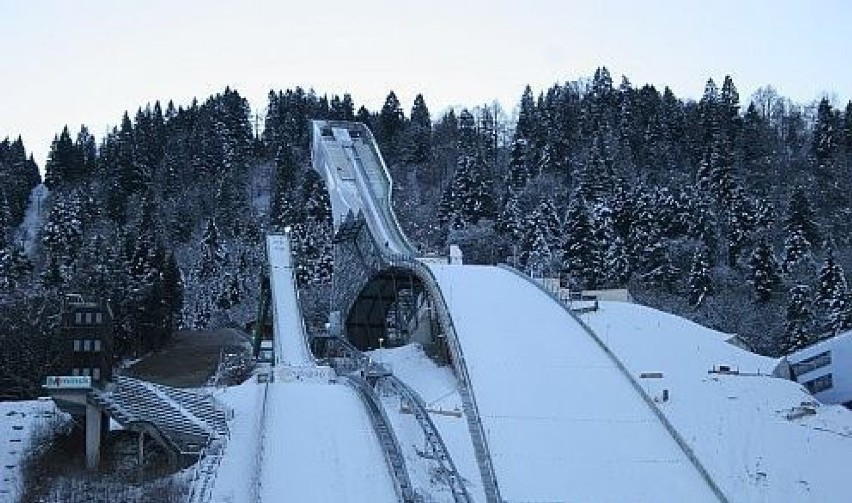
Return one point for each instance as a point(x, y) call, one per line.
point(744, 427)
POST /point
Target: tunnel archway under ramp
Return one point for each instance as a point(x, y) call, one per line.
point(393, 309)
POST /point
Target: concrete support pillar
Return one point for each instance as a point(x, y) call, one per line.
point(94, 432)
point(141, 450)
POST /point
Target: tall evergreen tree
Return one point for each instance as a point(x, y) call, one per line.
point(699, 283)
point(832, 295)
point(419, 132)
point(764, 271)
point(391, 122)
point(799, 320)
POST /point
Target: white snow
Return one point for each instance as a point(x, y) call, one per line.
point(303, 437)
point(320, 446)
point(438, 388)
point(736, 424)
point(562, 422)
point(316, 444)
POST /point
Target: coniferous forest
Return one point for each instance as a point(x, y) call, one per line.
point(734, 212)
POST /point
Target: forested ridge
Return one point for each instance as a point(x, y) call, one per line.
point(734, 214)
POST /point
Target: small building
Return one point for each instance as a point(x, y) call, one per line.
point(86, 334)
point(825, 369)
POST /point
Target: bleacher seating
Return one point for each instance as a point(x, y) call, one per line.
point(187, 420)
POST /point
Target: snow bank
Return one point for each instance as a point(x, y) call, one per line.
point(736, 423)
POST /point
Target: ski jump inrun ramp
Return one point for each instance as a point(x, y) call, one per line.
point(553, 415)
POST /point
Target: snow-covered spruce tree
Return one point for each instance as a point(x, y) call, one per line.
point(797, 253)
point(799, 319)
point(518, 173)
point(212, 254)
point(832, 295)
point(580, 253)
point(596, 176)
point(800, 217)
point(765, 277)
point(312, 236)
point(510, 222)
point(285, 206)
point(699, 283)
point(15, 268)
point(62, 233)
point(5, 220)
point(391, 123)
point(419, 133)
point(469, 196)
point(539, 259)
point(826, 139)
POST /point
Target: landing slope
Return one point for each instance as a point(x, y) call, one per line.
point(562, 422)
point(319, 446)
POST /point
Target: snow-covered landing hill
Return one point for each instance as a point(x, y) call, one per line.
point(747, 428)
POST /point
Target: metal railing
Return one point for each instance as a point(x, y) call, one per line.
point(390, 445)
point(205, 470)
point(447, 470)
point(471, 409)
point(670, 429)
point(382, 209)
point(441, 454)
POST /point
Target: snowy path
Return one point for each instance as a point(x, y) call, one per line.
point(563, 424)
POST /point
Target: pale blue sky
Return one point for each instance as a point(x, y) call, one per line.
point(68, 62)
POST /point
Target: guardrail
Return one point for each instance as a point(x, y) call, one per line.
point(676, 436)
point(431, 434)
point(382, 210)
point(205, 471)
point(471, 409)
point(449, 472)
point(390, 446)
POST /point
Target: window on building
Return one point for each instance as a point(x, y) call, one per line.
point(821, 383)
point(78, 345)
point(96, 373)
point(812, 363)
point(86, 372)
point(98, 318)
point(97, 343)
point(87, 345)
point(75, 372)
point(78, 318)
point(88, 318)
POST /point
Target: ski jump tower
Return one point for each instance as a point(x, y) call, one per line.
point(376, 268)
